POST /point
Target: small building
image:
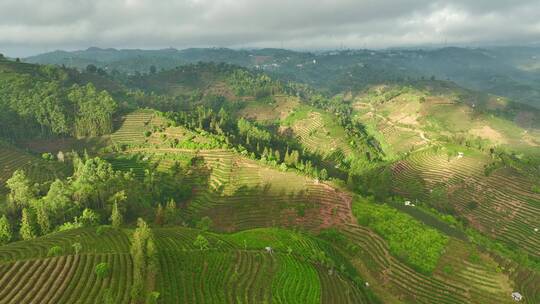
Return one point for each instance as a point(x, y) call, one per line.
point(535, 229)
point(407, 203)
point(517, 296)
point(269, 249)
point(460, 154)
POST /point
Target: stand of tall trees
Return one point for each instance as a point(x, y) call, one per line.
point(250, 138)
point(42, 101)
point(145, 263)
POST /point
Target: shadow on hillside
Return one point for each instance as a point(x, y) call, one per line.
point(257, 206)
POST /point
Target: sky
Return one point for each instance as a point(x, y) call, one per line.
point(29, 27)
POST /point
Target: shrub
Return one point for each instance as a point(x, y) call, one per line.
point(89, 218)
point(102, 270)
point(5, 231)
point(152, 297)
point(47, 156)
point(55, 251)
point(201, 242)
point(69, 226)
point(205, 224)
point(102, 229)
point(77, 247)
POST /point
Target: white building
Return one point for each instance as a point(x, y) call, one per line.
point(517, 296)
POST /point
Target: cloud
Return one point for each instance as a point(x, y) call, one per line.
point(30, 26)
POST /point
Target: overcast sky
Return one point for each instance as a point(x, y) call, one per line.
point(35, 26)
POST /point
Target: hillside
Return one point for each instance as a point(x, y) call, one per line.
point(214, 183)
point(239, 260)
point(406, 118)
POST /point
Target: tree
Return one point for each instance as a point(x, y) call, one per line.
point(27, 229)
point(102, 270)
point(205, 224)
point(43, 219)
point(94, 111)
point(89, 218)
point(5, 230)
point(159, 215)
point(201, 242)
point(55, 251)
point(77, 247)
point(291, 159)
point(95, 180)
point(143, 252)
point(116, 217)
point(152, 297)
point(21, 191)
point(350, 181)
point(118, 198)
point(59, 203)
point(170, 212)
point(60, 156)
point(323, 174)
point(153, 69)
point(91, 68)
point(108, 297)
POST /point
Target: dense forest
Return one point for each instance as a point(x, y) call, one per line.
point(45, 101)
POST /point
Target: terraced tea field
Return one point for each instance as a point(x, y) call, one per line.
point(241, 194)
point(12, 159)
point(133, 126)
point(502, 204)
point(33, 277)
point(320, 134)
point(370, 253)
point(247, 272)
point(226, 272)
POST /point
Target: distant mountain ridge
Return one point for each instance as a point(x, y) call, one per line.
point(513, 72)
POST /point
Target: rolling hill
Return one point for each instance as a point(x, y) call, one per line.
point(259, 190)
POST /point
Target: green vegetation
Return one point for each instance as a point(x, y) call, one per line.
point(408, 239)
point(211, 183)
point(44, 101)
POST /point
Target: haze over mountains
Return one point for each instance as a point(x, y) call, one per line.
point(513, 72)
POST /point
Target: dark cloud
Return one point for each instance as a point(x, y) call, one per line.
point(29, 26)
